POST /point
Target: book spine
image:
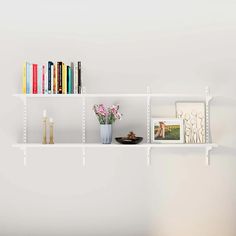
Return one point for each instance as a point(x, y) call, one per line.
point(52, 78)
point(24, 79)
point(76, 79)
point(35, 78)
point(55, 79)
point(64, 79)
point(39, 79)
point(79, 78)
point(49, 77)
point(59, 77)
point(72, 77)
point(31, 78)
point(69, 82)
point(46, 80)
point(28, 77)
point(43, 79)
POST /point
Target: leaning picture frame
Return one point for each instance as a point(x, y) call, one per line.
point(167, 130)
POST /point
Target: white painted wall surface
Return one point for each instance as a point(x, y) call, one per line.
point(172, 46)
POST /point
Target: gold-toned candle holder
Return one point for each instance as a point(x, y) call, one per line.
point(44, 141)
point(51, 126)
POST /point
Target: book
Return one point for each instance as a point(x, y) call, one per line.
point(39, 85)
point(79, 78)
point(69, 80)
point(49, 77)
point(52, 78)
point(76, 79)
point(28, 78)
point(55, 79)
point(59, 77)
point(24, 79)
point(35, 78)
point(64, 78)
point(72, 76)
point(46, 80)
point(43, 79)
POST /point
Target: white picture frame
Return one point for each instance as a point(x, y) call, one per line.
point(167, 130)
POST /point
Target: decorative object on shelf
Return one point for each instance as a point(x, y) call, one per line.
point(168, 130)
point(44, 141)
point(193, 114)
point(51, 124)
point(129, 139)
point(106, 117)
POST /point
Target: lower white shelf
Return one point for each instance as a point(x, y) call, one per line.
point(113, 145)
point(207, 146)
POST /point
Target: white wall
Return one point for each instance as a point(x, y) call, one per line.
point(173, 46)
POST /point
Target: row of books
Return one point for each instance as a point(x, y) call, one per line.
point(52, 78)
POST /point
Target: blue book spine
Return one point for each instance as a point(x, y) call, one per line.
point(49, 77)
point(40, 71)
point(28, 78)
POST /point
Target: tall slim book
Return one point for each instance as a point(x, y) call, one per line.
point(72, 76)
point(64, 78)
point(35, 78)
point(46, 80)
point(69, 80)
point(79, 78)
point(76, 78)
point(28, 78)
point(40, 74)
point(50, 76)
point(59, 77)
point(43, 79)
point(55, 79)
point(24, 79)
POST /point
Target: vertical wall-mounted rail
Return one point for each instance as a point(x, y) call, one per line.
point(25, 128)
point(208, 98)
point(83, 124)
point(148, 124)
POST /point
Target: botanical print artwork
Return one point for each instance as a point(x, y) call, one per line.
point(193, 114)
point(167, 130)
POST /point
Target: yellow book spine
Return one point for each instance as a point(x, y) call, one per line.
point(64, 79)
point(24, 79)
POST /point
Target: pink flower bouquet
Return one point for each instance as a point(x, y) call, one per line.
point(107, 115)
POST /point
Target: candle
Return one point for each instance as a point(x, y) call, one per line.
point(44, 113)
point(51, 120)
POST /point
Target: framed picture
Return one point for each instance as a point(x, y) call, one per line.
point(193, 114)
point(167, 130)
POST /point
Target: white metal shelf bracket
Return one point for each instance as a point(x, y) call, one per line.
point(83, 91)
point(148, 156)
point(148, 113)
point(24, 99)
point(207, 153)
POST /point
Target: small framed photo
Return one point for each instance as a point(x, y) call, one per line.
point(170, 130)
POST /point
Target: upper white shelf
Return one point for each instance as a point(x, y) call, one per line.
point(97, 95)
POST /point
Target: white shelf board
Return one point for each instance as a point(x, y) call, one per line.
point(113, 145)
point(97, 95)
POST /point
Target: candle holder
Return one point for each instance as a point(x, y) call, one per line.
point(44, 141)
point(51, 127)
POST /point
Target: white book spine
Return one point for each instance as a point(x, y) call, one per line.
point(31, 78)
point(46, 80)
point(76, 79)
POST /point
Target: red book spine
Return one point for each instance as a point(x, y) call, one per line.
point(43, 80)
point(35, 78)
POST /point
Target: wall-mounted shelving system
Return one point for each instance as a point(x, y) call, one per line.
point(148, 96)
